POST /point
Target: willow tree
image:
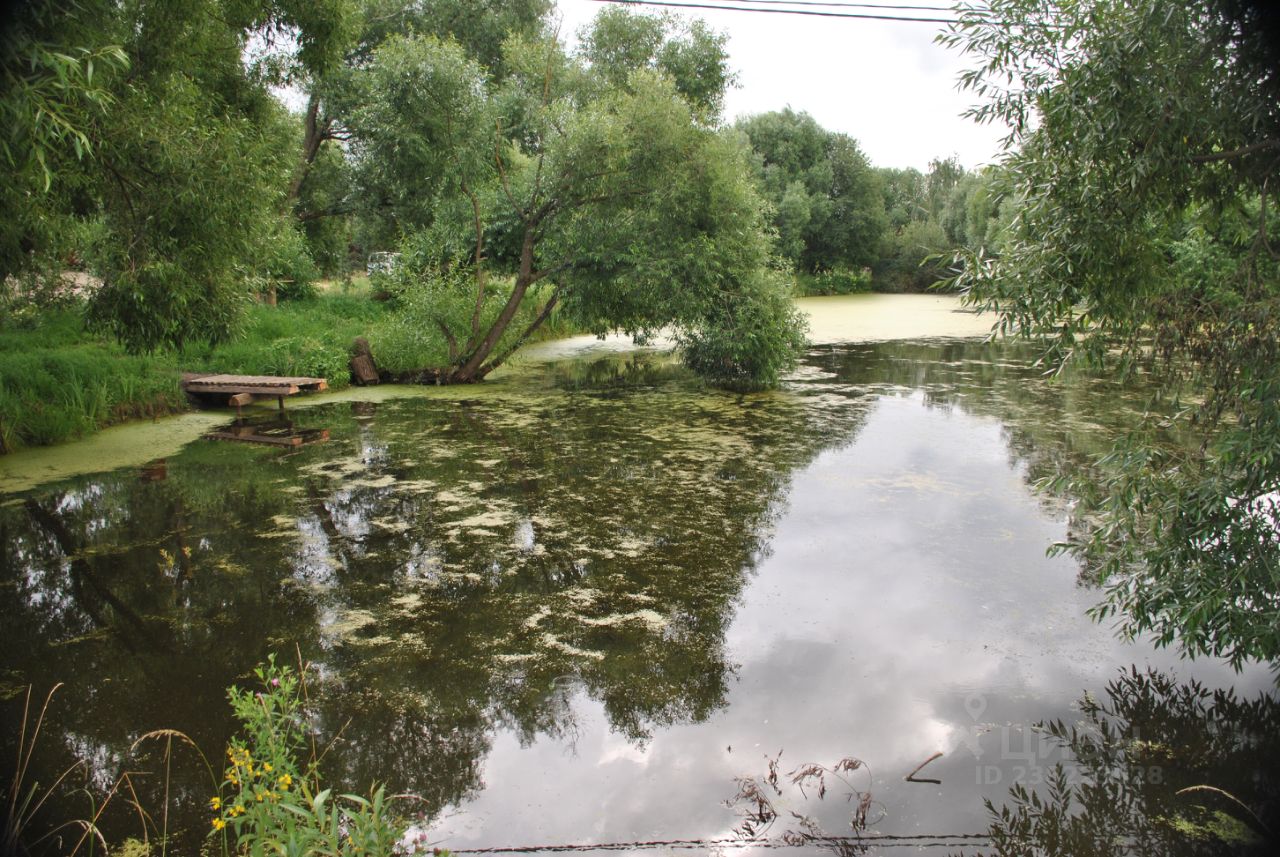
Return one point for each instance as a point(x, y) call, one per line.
point(614, 198)
point(138, 138)
point(1143, 148)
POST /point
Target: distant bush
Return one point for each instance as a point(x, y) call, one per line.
point(288, 266)
point(837, 281)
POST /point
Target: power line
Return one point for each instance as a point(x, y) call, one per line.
point(780, 11)
point(839, 5)
point(916, 841)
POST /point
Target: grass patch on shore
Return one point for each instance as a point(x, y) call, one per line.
point(60, 381)
point(309, 337)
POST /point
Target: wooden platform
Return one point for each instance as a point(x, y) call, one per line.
point(239, 390)
point(257, 385)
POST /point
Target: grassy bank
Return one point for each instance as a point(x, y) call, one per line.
point(60, 381)
point(57, 382)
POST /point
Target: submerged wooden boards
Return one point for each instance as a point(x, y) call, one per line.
point(271, 432)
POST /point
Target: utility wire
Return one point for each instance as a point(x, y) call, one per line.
point(839, 5)
point(915, 841)
point(812, 12)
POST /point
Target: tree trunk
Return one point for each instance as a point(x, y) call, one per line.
point(470, 370)
point(312, 136)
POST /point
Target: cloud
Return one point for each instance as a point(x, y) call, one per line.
point(884, 83)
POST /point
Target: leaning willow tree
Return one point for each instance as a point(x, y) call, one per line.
point(598, 182)
point(1143, 153)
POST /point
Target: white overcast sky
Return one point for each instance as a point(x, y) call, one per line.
point(884, 83)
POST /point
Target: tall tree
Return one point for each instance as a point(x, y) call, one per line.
point(829, 208)
point(478, 26)
point(1143, 147)
point(617, 202)
point(55, 85)
point(165, 142)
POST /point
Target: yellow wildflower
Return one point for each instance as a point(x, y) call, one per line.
point(285, 781)
point(215, 803)
point(266, 766)
point(218, 824)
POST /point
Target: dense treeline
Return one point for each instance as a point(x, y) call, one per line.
point(847, 226)
point(517, 179)
point(146, 145)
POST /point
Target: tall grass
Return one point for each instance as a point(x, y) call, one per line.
point(310, 337)
point(270, 800)
point(59, 383)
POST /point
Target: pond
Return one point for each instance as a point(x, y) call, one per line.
point(592, 601)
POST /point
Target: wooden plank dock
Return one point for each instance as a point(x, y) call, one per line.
point(240, 390)
point(257, 385)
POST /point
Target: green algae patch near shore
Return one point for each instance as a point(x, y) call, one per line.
point(853, 318)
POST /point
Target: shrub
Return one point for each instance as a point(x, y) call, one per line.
point(836, 281)
point(747, 344)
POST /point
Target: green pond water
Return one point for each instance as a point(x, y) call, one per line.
point(579, 603)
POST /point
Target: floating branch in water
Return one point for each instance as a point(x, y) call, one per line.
point(911, 777)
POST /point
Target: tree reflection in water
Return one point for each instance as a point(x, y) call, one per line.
point(470, 564)
point(1159, 768)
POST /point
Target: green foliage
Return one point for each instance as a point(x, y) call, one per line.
point(55, 385)
point(270, 802)
point(747, 341)
point(828, 205)
point(325, 206)
point(59, 381)
point(285, 263)
point(1142, 152)
point(478, 27)
point(619, 43)
point(606, 195)
point(215, 182)
point(840, 281)
point(55, 85)
point(310, 337)
point(932, 215)
point(183, 161)
point(914, 257)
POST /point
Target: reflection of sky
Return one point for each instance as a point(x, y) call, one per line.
point(907, 607)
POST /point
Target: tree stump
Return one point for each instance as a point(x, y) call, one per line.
point(363, 370)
